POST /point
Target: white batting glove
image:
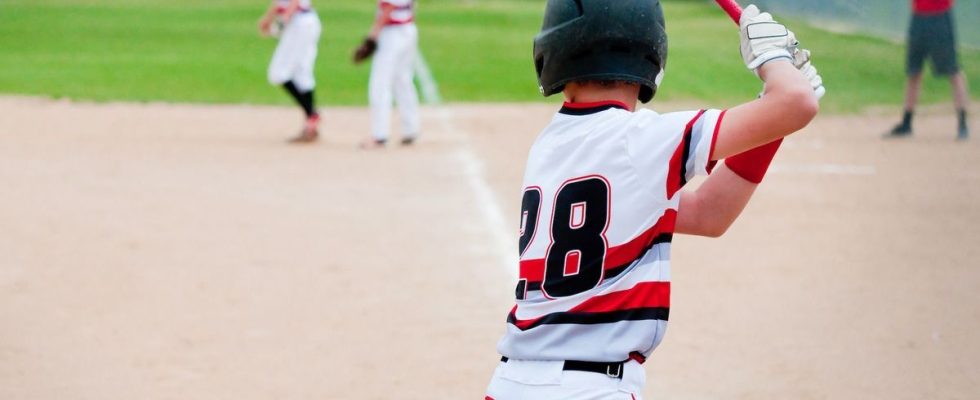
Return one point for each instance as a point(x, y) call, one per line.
point(801, 60)
point(764, 39)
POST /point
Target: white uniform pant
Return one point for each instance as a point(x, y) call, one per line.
point(391, 73)
point(545, 380)
point(295, 55)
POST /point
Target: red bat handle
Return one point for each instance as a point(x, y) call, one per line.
point(732, 8)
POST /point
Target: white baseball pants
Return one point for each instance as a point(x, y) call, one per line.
point(545, 380)
point(295, 55)
point(391, 76)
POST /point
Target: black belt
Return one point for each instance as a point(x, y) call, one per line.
point(612, 370)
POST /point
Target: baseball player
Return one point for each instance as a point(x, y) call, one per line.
point(394, 39)
point(931, 36)
point(294, 58)
point(602, 192)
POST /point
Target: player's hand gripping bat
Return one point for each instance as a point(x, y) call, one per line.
point(801, 59)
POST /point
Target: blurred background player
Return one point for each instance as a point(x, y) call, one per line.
point(394, 40)
point(602, 192)
point(932, 36)
point(298, 28)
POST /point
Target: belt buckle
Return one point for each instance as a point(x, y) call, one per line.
point(617, 374)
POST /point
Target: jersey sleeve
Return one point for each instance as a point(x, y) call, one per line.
point(679, 144)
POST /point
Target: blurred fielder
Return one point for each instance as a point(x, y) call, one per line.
point(393, 41)
point(602, 192)
point(298, 28)
point(932, 36)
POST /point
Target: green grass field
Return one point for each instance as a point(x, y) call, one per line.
point(479, 50)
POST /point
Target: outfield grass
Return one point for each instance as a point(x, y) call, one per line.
point(479, 50)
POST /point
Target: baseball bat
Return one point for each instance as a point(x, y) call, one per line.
point(732, 8)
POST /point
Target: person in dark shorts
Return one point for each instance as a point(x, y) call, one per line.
point(932, 37)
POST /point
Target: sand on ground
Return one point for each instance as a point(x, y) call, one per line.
point(159, 251)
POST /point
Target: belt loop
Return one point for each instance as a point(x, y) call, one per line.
point(619, 371)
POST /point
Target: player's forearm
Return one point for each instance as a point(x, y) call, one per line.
point(715, 205)
point(792, 87)
point(270, 14)
point(381, 20)
point(787, 90)
point(376, 29)
point(788, 105)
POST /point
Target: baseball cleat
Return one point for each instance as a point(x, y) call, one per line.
point(310, 132)
point(372, 143)
point(408, 140)
point(963, 133)
point(306, 136)
point(899, 131)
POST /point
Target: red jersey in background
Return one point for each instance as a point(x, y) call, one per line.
point(931, 6)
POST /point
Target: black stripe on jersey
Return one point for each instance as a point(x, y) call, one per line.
point(525, 286)
point(686, 155)
point(636, 314)
point(615, 271)
point(522, 288)
point(589, 110)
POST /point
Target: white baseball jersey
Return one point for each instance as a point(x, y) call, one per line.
point(601, 192)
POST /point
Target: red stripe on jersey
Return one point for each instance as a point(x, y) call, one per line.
point(578, 106)
point(714, 139)
point(616, 256)
point(678, 162)
point(643, 295)
point(628, 252)
point(532, 270)
point(393, 22)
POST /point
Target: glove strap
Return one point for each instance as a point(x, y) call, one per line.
point(770, 56)
point(752, 165)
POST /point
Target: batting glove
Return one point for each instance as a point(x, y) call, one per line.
point(764, 39)
point(801, 60)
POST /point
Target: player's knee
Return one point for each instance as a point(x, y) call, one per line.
point(277, 78)
point(305, 85)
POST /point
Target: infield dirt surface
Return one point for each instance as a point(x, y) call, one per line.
point(155, 251)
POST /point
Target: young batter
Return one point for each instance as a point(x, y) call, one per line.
point(392, 69)
point(292, 63)
point(602, 192)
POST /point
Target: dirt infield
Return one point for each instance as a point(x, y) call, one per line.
point(185, 252)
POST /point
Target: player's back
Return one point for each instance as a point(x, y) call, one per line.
point(598, 211)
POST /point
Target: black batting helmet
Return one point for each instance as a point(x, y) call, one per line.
point(615, 40)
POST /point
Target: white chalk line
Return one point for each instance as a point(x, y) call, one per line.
point(502, 241)
point(427, 84)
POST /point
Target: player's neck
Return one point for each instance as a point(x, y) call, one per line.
point(592, 93)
